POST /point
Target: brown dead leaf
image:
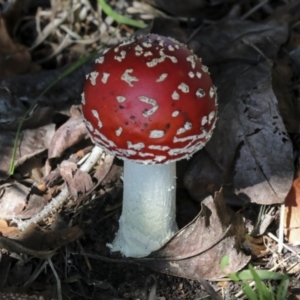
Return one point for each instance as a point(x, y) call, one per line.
point(224, 284)
point(67, 135)
point(33, 168)
point(14, 59)
point(250, 148)
point(42, 239)
point(35, 204)
point(196, 251)
point(13, 200)
point(5, 230)
point(255, 246)
point(36, 241)
point(78, 182)
point(282, 75)
point(31, 143)
point(104, 168)
point(292, 214)
point(54, 176)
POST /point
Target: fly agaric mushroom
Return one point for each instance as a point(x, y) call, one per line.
point(151, 102)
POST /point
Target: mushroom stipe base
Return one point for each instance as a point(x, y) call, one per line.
point(148, 217)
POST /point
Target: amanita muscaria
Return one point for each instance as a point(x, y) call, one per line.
point(151, 102)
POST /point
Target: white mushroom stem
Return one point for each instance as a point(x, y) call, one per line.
point(148, 217)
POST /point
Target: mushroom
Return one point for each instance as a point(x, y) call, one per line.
point(151, 102)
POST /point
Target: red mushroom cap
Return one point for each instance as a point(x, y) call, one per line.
point(150, 100)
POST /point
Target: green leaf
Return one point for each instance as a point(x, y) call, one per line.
point(224, 262)
point(119, 18)
point(263, 275)
point(263, 291)
point(258, 282)
point(282, 289)
point(249, 292)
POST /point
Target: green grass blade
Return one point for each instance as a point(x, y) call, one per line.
point(263, 291)
point(263, 275)
point(258, 282)
point(249, 292)
point(282, 289)
point(224, 262)
point(119, 18)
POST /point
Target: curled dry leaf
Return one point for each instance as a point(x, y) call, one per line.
point(39, 242)
point(12, 200)
point(35, 204)
point(250, 148)
point(263, 170)
point(54, 176)
point(104, 168)
point(292, 214)
point(31, 143)
point(78, 182)
point(33, 168)
point(196, 251)
point(34, 142)
point(239, 42)
point(282, 75)
point(68, 134)
point(255, 246)
point(5, 230)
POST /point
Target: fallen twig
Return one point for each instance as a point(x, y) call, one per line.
point(64, 194)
